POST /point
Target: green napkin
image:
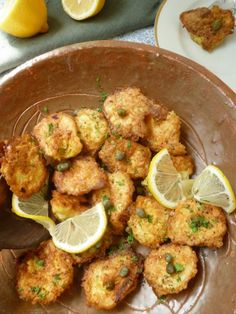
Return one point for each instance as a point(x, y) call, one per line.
point(117, 17)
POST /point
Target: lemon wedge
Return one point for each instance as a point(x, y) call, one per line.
point(24, 18)
point(35, 208)
point(212, 187)
point(82, 9)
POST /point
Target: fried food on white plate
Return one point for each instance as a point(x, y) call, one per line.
point(116, 198)
point(108, 281)
point(57, 136)
point(165, 134)
point(66, 206)
point(23, 167)
point(169, 269)
point(197, 224)
point(125, 111)
point(126, 155)
point(93, 129)
point(44, 273)
point(148, 221)
point(83, 176)
point(184, 164)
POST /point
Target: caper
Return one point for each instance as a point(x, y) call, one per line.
point(110, 285)
point(170, 269)
point(63, 166)
point(168, 257)
point(124, 271)
point(121, 112)
point(120, 155)
point(216, 25)
point(140, 212)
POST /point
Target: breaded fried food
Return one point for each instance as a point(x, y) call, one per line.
point(165, 134)
point(125, 111)
point(83, 176)
point(66, 206)
point(183, 164)
point(197, 224)
point(92, 128)
point(43, 274)
point(208, 27)
point(57, 136)
point(148, 221)
point(23, 167)
point(116, 198)
point(96, 251)
point(127, 156)
point(169, 269)
point(108, 281)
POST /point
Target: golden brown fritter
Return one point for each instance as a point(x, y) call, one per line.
point(148, 221)
point(83, 176)
point(116, 198)
point(197, 224)
point(208, 27)
point(43, 274)
point(57, 136)
point(23, 167)
point(169, 269)
point(108, 281)
point(165, 134)
point(125, 111)
point(183, 164)
point(96, 251)
point(126, 155)
point(92, 128)
point(66, 206)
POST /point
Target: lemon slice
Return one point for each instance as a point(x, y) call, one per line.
point(35, 208)
point(82, 9)
point(164, 182)
point(79, 233)
point(24, 18)
point(212, 187)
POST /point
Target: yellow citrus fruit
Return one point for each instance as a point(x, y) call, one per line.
point(24, 18)
point(82, 9)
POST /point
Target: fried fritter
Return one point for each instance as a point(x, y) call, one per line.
point(96, 251)
point(83, 177)
point(66, 206)
point(125, 111)
point(43, 274)
point(169, 269)
point(116, 199)
point(57, 136)
point(208, 27)
point(197, 224)
point(165, 134)
point(23, 167)
point(93, 129)
point(108, 281)
point(183, 164)
point(148, 221)
point(126, 155)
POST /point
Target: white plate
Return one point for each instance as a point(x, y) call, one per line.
point(172, 36)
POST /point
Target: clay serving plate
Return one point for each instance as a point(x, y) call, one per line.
point(66, 79)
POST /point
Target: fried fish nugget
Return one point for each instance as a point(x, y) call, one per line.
point(93, 129)
point(148, 221)
point(57, 136)
point(23, 167)
point(125, 155)
point(43, 274)
point(183, 164)
point(66, 206)
point(169, 269)
point(125, 111)
point(83, 177)
point(165, 134)
point(108, 281)
point(197, 224)
point(208, 27)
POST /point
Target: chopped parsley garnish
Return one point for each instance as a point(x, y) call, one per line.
point(149, 218)
point(39, 262)
point(120, 183)
point(56, 278)
point(178, 267)
point(36, 289)
point(162, 298)
point(130, 238)
point(45, 109)
point(134, 259)
point(50, 129)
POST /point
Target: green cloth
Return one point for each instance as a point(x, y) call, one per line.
point(117, 17)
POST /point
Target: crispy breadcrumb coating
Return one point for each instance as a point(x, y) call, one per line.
point(183, 164)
